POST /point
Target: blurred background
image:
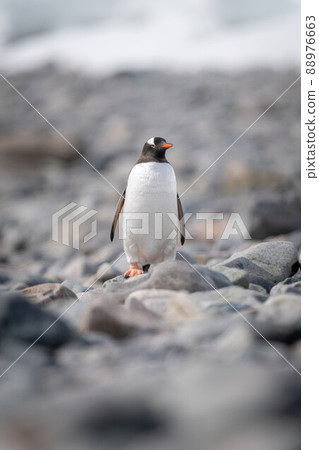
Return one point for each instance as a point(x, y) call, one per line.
point(110, 74)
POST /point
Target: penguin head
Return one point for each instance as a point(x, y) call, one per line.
point(155, 148)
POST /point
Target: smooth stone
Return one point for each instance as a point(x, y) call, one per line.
point(47, 292)
point(279, 318)
point(134, 305)
point(24, 321)
point(236, 276)
point(179, 275)
point(156, 300)
point(235, 342)
point(117, 321)
point(269, 261)
point(172, 305)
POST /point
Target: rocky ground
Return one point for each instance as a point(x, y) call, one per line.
point(203, 352)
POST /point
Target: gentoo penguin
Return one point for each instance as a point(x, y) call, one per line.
point(151, 196)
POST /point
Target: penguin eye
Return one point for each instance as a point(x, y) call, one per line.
point(153, 145)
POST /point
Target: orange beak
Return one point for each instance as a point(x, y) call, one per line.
point(167, 145)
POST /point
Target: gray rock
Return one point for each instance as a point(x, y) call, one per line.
point(173, 275)
point(236, 276)
point(228, 299)
point(47, 292)
point(24, 321)
point(74, 310)
point(267, 263)
point(289, 285)
point(172, 305)
point(156, 300)
point(117, 321)
point(119, 288)
point(136, 306)
point(280, 318)
point(178, 275)
point(235, 342)
point(257, 288)
point(292, 288)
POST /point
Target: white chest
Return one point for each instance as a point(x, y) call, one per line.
point(152, 177)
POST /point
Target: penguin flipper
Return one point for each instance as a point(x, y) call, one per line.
point(117, 214)
point(181, 219)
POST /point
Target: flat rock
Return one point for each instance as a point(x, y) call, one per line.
point(267, 263)
point(24, 321)
point(47, 292)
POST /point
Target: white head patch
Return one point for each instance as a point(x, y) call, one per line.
point(151, 141)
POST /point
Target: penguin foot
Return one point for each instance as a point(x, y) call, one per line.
point(133, 271)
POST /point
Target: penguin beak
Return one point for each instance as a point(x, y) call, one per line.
point(167, 145)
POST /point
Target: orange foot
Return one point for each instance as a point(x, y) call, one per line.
point(133, 271)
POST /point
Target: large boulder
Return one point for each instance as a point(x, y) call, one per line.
point(267, 263)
